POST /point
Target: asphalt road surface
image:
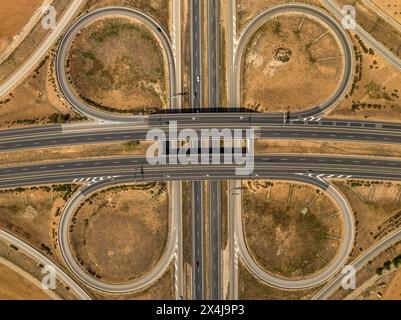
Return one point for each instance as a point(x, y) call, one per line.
point(61, 58)
point(39, 257)
point(64, 243)
point(319, 14)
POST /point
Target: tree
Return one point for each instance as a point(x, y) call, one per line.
point(387, 265)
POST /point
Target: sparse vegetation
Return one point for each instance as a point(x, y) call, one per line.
point(136, 219)
point(131, 79)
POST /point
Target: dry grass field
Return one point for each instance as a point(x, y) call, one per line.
point(375, 93)
point(291, 229)
point(251, 288)
point(248, 9)
point(377, 289)
point(158, 9)
point(33, 213)
point(291, 64)
point(327, 147)
point(117, 65)
point(120, 233)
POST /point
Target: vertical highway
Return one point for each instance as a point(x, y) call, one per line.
point(214, 186)
point(197, 192)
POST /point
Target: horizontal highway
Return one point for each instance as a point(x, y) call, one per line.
point(39, 257)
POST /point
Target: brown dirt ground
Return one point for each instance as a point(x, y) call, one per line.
point(281, 66)
point(21, 260)
point(329, 148)
point(376, 26)
point(248, 9)
point(120, 233)
point(375, 206)
point(14, 286)
point(130, 77)
point(376, 96)
point(14, 158)
point(391, 7)
point(251, 288)
point(14, 16)
point(291, 229)
point(32, 214)
point(34, 101)
point(393, 291)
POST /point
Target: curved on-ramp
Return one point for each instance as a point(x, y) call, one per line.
point(34, 59)
point(60, 274)
point(139, 284)
point(62, 53)
point(340, 33)
point(334, 266)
